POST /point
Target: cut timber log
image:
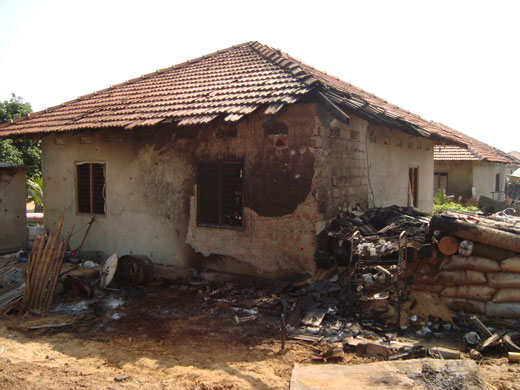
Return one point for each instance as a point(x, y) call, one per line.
point(475, 232)
point(448, 245)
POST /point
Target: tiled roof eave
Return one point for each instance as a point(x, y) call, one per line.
point(230, 84)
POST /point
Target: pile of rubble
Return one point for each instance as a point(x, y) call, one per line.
point(372, 234)
point(12, 285)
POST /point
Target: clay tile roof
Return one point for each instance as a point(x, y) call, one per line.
point(229, 84)
point(450, 152)
point(474, 150)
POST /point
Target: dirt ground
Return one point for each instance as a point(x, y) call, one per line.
point(164, 336)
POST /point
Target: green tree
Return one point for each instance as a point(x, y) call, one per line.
point(19, 151)
point(13, 109)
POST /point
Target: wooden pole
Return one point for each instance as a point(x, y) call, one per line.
point(476, 232)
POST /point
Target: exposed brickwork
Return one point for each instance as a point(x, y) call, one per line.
point(341, 166)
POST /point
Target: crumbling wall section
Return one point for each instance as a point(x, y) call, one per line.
point(13, 222)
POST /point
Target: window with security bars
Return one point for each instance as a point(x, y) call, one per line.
point(220, 194)
point(91, 188)
point(440, 181)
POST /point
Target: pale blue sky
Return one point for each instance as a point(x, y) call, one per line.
point(455, 62)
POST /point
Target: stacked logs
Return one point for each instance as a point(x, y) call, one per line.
point(43, 268)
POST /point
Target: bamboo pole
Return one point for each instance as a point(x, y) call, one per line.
point(56, 273)
point(41, 272)
point(44, 264)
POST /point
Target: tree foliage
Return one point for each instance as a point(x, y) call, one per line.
point(13, 109)
point(19, 151)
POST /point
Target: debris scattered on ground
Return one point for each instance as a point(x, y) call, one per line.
point(416, 374)
point(12, 286)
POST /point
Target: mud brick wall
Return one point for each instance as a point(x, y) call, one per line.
point(475, 285)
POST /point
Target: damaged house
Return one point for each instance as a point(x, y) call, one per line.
point(473, 171)
point(234, 161)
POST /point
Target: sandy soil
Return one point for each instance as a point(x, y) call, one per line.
point(163, 337)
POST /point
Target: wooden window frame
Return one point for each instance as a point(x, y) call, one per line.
point(91, 188)
point(221, 215)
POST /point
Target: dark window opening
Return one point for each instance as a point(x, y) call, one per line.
point(497, 182)
point(91, 188)
point(220, 194)
point(440, 180)
point(413, 186)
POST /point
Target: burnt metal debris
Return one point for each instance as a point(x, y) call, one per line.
point(354, 302)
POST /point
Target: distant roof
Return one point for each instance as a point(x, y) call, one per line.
point(515, 155)
point(450, 152)
point(475, 150)
point(228, 84)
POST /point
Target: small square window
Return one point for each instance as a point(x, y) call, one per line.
point(90, 178)
point(220, 194)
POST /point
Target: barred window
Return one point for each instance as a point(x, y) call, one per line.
point(90, 179)
point(440, 180)
point(220, 194)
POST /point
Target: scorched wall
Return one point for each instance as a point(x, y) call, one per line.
point(300, 168)
point(151, 187)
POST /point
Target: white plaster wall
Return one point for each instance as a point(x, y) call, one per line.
point(145, 206)
point(13, 222)
point(484, 175)
point(390, 154)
